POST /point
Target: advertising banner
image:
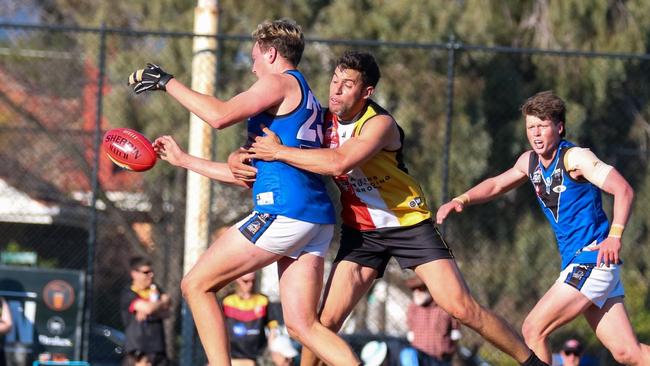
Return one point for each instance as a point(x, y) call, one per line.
point(47, 309)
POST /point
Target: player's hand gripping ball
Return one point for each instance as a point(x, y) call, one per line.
point(129, 149)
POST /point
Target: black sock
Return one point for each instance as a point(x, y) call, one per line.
point(533, 361)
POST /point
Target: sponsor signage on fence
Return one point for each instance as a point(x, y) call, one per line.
point(47, 309)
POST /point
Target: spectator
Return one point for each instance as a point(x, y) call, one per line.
point(282, 351)
point(141, 360)
point(570, 353)
point(144, 305)
point(5, 327)
point(432, 331)
point(247, 314)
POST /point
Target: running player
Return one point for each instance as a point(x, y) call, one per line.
point(568, 181)
point(293, 217)
point(383, 209)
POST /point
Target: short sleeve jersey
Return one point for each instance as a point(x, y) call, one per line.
point(572, 207)
point(280, 188)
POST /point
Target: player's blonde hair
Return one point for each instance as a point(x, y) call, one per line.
point(284, 35)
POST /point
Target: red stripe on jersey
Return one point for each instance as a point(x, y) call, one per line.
point(244, 315)
point(132, 305)
point(354, 213)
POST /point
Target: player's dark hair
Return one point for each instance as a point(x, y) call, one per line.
point(364, 63)
point(137, 262)
point(546, 106)
point(284, 35)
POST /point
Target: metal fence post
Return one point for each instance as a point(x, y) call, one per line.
point(92, 229)
point(452, 45)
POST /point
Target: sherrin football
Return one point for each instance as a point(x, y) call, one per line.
point(129, 149)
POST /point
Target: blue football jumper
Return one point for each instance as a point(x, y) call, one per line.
point(574, 208)
point(281, 189)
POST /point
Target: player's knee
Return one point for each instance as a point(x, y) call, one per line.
point(330, 321)
point(531, 332)
point(466, 310)
point(297, 328)
point(625, 354)
point(292, 332)
point(187, 287)
point(191, 285)
point(464, 315)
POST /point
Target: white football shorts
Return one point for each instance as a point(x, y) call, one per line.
point(285, 236)
point(597, 283)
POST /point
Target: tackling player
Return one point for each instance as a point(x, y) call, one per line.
point(383, 209)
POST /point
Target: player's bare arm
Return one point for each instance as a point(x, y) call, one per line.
point(583, 164)
point(169, 150)
point(488, 189)
point(266, 93)
point(378, 133)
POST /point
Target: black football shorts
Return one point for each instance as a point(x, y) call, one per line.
point(411, 246)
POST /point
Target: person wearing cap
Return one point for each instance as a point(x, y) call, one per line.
point(282, 351)
point(571, 352)
point(432, 331)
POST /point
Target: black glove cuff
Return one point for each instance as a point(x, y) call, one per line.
point(164, 79)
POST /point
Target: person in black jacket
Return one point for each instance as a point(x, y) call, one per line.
point(144, 305)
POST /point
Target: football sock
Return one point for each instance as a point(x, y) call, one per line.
point(533, 361)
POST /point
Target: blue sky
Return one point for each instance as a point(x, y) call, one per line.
point(24, 14)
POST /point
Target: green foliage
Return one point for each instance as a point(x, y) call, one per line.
point(505, 248)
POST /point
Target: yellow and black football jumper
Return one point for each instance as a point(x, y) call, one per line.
point(245, 321)
point(380, 193)
point(384, 211)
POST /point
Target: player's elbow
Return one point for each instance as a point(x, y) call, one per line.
point(337, 164)
point(215, 118)
point(335, 171)
point(628, 192)
point(220, 118)
point(494, 187)
point(216, 122)
point(338, 167)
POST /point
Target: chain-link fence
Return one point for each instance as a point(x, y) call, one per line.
point(63, 199)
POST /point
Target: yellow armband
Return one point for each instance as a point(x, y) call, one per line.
point(616, 231)
point(463, 199)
